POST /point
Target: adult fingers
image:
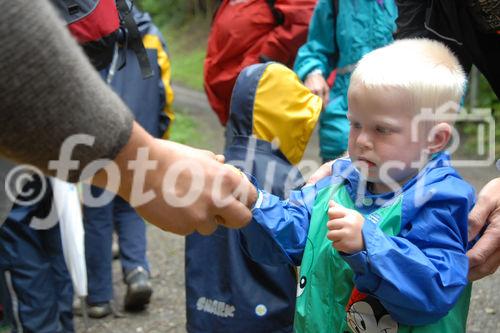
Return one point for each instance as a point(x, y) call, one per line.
point(325, 94)
point(486, 246)
point(316, 84)
point(324, 171)
point(208, 227)
point(220, 158)
point(488, 204)
point(479, 214)
point(313, 86)
point(234, 215)
point(229, 182)
point(246, 192)
point(489, 267)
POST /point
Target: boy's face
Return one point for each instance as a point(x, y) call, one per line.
point(380, 139)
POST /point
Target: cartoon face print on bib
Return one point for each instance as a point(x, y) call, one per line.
point(301, 285)
point(366, 314)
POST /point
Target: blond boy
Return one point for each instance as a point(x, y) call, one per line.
point(382, 242)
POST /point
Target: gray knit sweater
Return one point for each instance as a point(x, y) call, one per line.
point(49, 91)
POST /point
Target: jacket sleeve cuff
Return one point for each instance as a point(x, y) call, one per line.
point(314, 72)
point(358, 261)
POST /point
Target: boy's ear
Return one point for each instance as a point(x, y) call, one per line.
point(439, 136)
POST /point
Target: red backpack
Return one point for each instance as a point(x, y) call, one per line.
point(98, 25)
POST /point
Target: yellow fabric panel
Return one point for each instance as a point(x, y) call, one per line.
point(154, 42)
point(285, 111)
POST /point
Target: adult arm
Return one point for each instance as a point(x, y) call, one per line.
point(411, 19)
point(485, 254)
point(49, 92)
point(319, 50)
point(213, 181)
point(315, 59)
point(324, 170)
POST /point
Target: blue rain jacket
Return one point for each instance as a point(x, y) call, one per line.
point(417, 274)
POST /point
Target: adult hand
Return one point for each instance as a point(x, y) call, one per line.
point(324, 171)
point(484, 257)
point(344, 228)
point(318, 86)
point(189, 189)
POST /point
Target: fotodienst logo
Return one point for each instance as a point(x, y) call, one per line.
point(477, 133)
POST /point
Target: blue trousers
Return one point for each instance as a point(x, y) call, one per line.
point(37, 285)
point(99, 223)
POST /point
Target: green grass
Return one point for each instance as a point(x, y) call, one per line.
point(188, 69)
point(185, 130)
point(486, 99)
point(186, 35)
point(187, 49)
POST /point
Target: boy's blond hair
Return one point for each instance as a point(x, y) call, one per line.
point(426, 71)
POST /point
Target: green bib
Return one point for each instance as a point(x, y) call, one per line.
point(326, 285)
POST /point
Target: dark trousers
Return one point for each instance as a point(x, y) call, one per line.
point(37, 284)
point(99, 223)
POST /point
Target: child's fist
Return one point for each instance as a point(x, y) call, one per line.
point(344, 228)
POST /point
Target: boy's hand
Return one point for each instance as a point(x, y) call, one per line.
point(344, 227)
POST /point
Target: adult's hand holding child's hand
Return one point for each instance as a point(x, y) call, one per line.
point(344, 228)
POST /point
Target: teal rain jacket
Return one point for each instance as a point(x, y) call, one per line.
point(359, 27)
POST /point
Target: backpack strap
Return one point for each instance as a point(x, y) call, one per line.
point(134, 39)
point(336, 13)
point(278, 15)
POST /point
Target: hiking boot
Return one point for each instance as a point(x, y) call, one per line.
point(139, 289)
point(99, 310)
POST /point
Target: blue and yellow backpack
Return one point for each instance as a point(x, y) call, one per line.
point(271, 121)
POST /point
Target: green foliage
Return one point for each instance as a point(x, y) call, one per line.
point(178, 12)
point(185, 25)
point(188, 70)
point(184, 129)
point(486, 99)
point(187, 49)
point(163, 11)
